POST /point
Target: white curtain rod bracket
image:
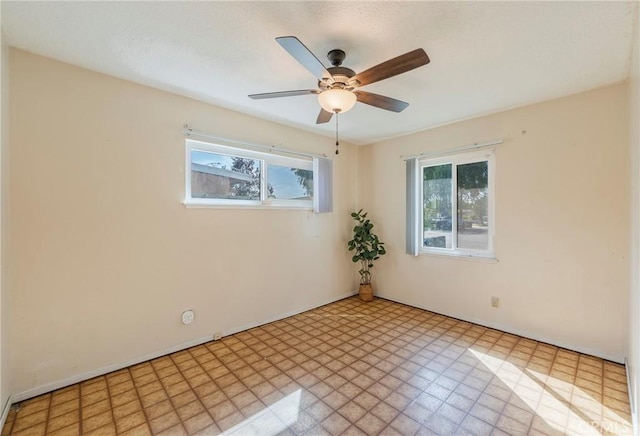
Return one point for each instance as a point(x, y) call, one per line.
point(473, 146)
point(189, 132)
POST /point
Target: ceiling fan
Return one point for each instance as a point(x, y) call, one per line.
point(339, 86)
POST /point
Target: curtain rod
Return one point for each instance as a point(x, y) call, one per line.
point(187, 131)
point(473, 146)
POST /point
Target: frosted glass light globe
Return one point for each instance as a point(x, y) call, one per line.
point(337, 100)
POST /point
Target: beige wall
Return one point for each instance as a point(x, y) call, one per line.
point(104, 256)
point(634, 295)
point(5, 379)
point(562, 219)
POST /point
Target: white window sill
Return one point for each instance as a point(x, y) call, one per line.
point(488, 258)
point(257, 206)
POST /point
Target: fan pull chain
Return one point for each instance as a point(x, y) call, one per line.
point(337, 141)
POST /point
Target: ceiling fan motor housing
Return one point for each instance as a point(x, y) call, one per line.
point(340, 76)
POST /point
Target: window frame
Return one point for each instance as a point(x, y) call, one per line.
point(455, 160)
point(265, 160)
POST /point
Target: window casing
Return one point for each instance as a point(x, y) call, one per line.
point(456, 206)
point(220, 175)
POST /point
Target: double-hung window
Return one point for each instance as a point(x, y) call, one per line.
point(223, 175)
point(455, 214)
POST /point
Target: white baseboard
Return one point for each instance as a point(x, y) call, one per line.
point(242, 328)
point(5, 411)
point(518, 332)
point(59, 384)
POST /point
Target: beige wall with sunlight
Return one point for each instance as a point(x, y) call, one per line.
point(105, 257)
point(562, 224)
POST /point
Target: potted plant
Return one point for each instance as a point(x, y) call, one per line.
point(367, 248)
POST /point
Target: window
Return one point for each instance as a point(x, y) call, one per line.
point(289, 183)
point(455, 213)
point(222, 175)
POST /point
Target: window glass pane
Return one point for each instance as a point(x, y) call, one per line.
point(224, 177)
point(286, 183)
point(437, 206)
point(473, 206)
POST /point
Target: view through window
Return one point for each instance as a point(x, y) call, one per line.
point(457, 203)
point(227, 175)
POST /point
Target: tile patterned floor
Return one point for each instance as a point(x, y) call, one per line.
point(348, 368)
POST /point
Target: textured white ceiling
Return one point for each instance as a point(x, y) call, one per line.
point(485, 56)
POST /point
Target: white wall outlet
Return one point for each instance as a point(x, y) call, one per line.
point(188, 316)
point(217, 336)
point(495, 302)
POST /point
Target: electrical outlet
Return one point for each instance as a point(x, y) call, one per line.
point(217, 336)
point(188, 316)
point(495, 302)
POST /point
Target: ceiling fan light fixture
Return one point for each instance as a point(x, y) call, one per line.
point(337, 100)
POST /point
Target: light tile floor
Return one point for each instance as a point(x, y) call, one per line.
point(346, 368)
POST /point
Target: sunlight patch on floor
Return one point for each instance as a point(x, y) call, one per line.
point(562, 405)
point(272, 420)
